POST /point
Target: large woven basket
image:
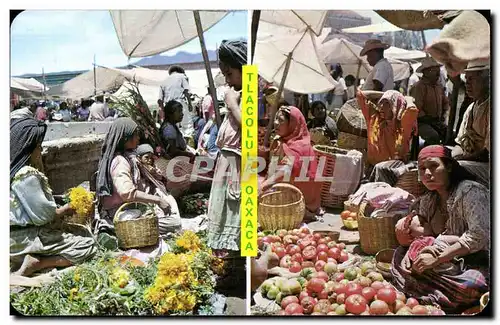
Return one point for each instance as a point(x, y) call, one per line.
point(376, 234)
point(283, 208)
point(352, 141)
point(409, 182)
point(327, 199)
point(136, 233)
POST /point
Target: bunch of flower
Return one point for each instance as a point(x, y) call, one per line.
point(174, 289)
point(81, 200)
point(189, 241)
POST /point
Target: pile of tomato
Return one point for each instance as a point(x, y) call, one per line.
point(325, 284)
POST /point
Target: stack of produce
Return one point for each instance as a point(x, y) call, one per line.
point(325, 280)
point(349, 219)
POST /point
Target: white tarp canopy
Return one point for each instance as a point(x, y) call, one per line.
point(383, 27)
point(346, 53)
point(150, 91)
point(109, 79)
point(26, 84)
point(307, 73)
point(148, 32)
point(82, 86)
point(299, 20)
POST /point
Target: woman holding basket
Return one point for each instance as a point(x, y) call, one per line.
point(119, 175)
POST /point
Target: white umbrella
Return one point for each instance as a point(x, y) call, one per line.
point(307, 74)
point(299, 20)
point(345, 53)
point(275, 55)
point(383, 27)
point(148, 32)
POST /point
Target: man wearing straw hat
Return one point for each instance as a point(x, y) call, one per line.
point(431, 101)
point(381, 78)
point(473, 137)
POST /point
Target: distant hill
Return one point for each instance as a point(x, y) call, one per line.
point(180, 57)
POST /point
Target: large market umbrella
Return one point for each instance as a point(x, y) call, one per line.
point(339, 50)
point(149, 32)
point(383, 27)
point(418, 20)
point(296, 53)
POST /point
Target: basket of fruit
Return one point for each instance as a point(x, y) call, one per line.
point(282, 207)
point(349, 219)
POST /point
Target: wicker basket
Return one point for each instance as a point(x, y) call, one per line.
point(136, 233)
point(283, 208)
point(376, 234)
point(409, 182)
point(352, 141)
point(327, 199)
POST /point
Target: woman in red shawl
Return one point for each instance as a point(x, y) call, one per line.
point(293, 149)
point(448, 236)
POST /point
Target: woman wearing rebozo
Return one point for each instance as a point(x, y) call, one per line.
point(120, 179)
point(38, 239)
point(447, 262)
point(224, 203)
point(292, 147)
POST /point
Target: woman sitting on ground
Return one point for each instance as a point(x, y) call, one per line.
point(293, 143)
point(172, 137)
point(120, 174)
point(451, 270)
point(390, 125)
point(37, 240)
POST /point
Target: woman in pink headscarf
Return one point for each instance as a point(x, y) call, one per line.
point(294, 151)
point(448, 236)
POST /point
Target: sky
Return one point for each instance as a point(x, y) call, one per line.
point(67, 40)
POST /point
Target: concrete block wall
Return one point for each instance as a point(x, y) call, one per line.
point(59, 130)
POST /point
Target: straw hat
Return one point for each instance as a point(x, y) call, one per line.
point(478, 65)
point(427, 63)
point(466, 38)
point(373, 44)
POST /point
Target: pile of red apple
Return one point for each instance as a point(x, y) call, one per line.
point(320, 288)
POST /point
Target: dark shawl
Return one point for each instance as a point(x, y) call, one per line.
point(25, 135)
point(120, 132)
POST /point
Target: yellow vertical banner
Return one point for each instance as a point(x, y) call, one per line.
point(249, 147)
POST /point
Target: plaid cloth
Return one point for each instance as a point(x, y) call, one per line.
point(454, 290)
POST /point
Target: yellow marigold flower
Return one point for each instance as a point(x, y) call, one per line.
point(189, 241)
point(81, 200)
